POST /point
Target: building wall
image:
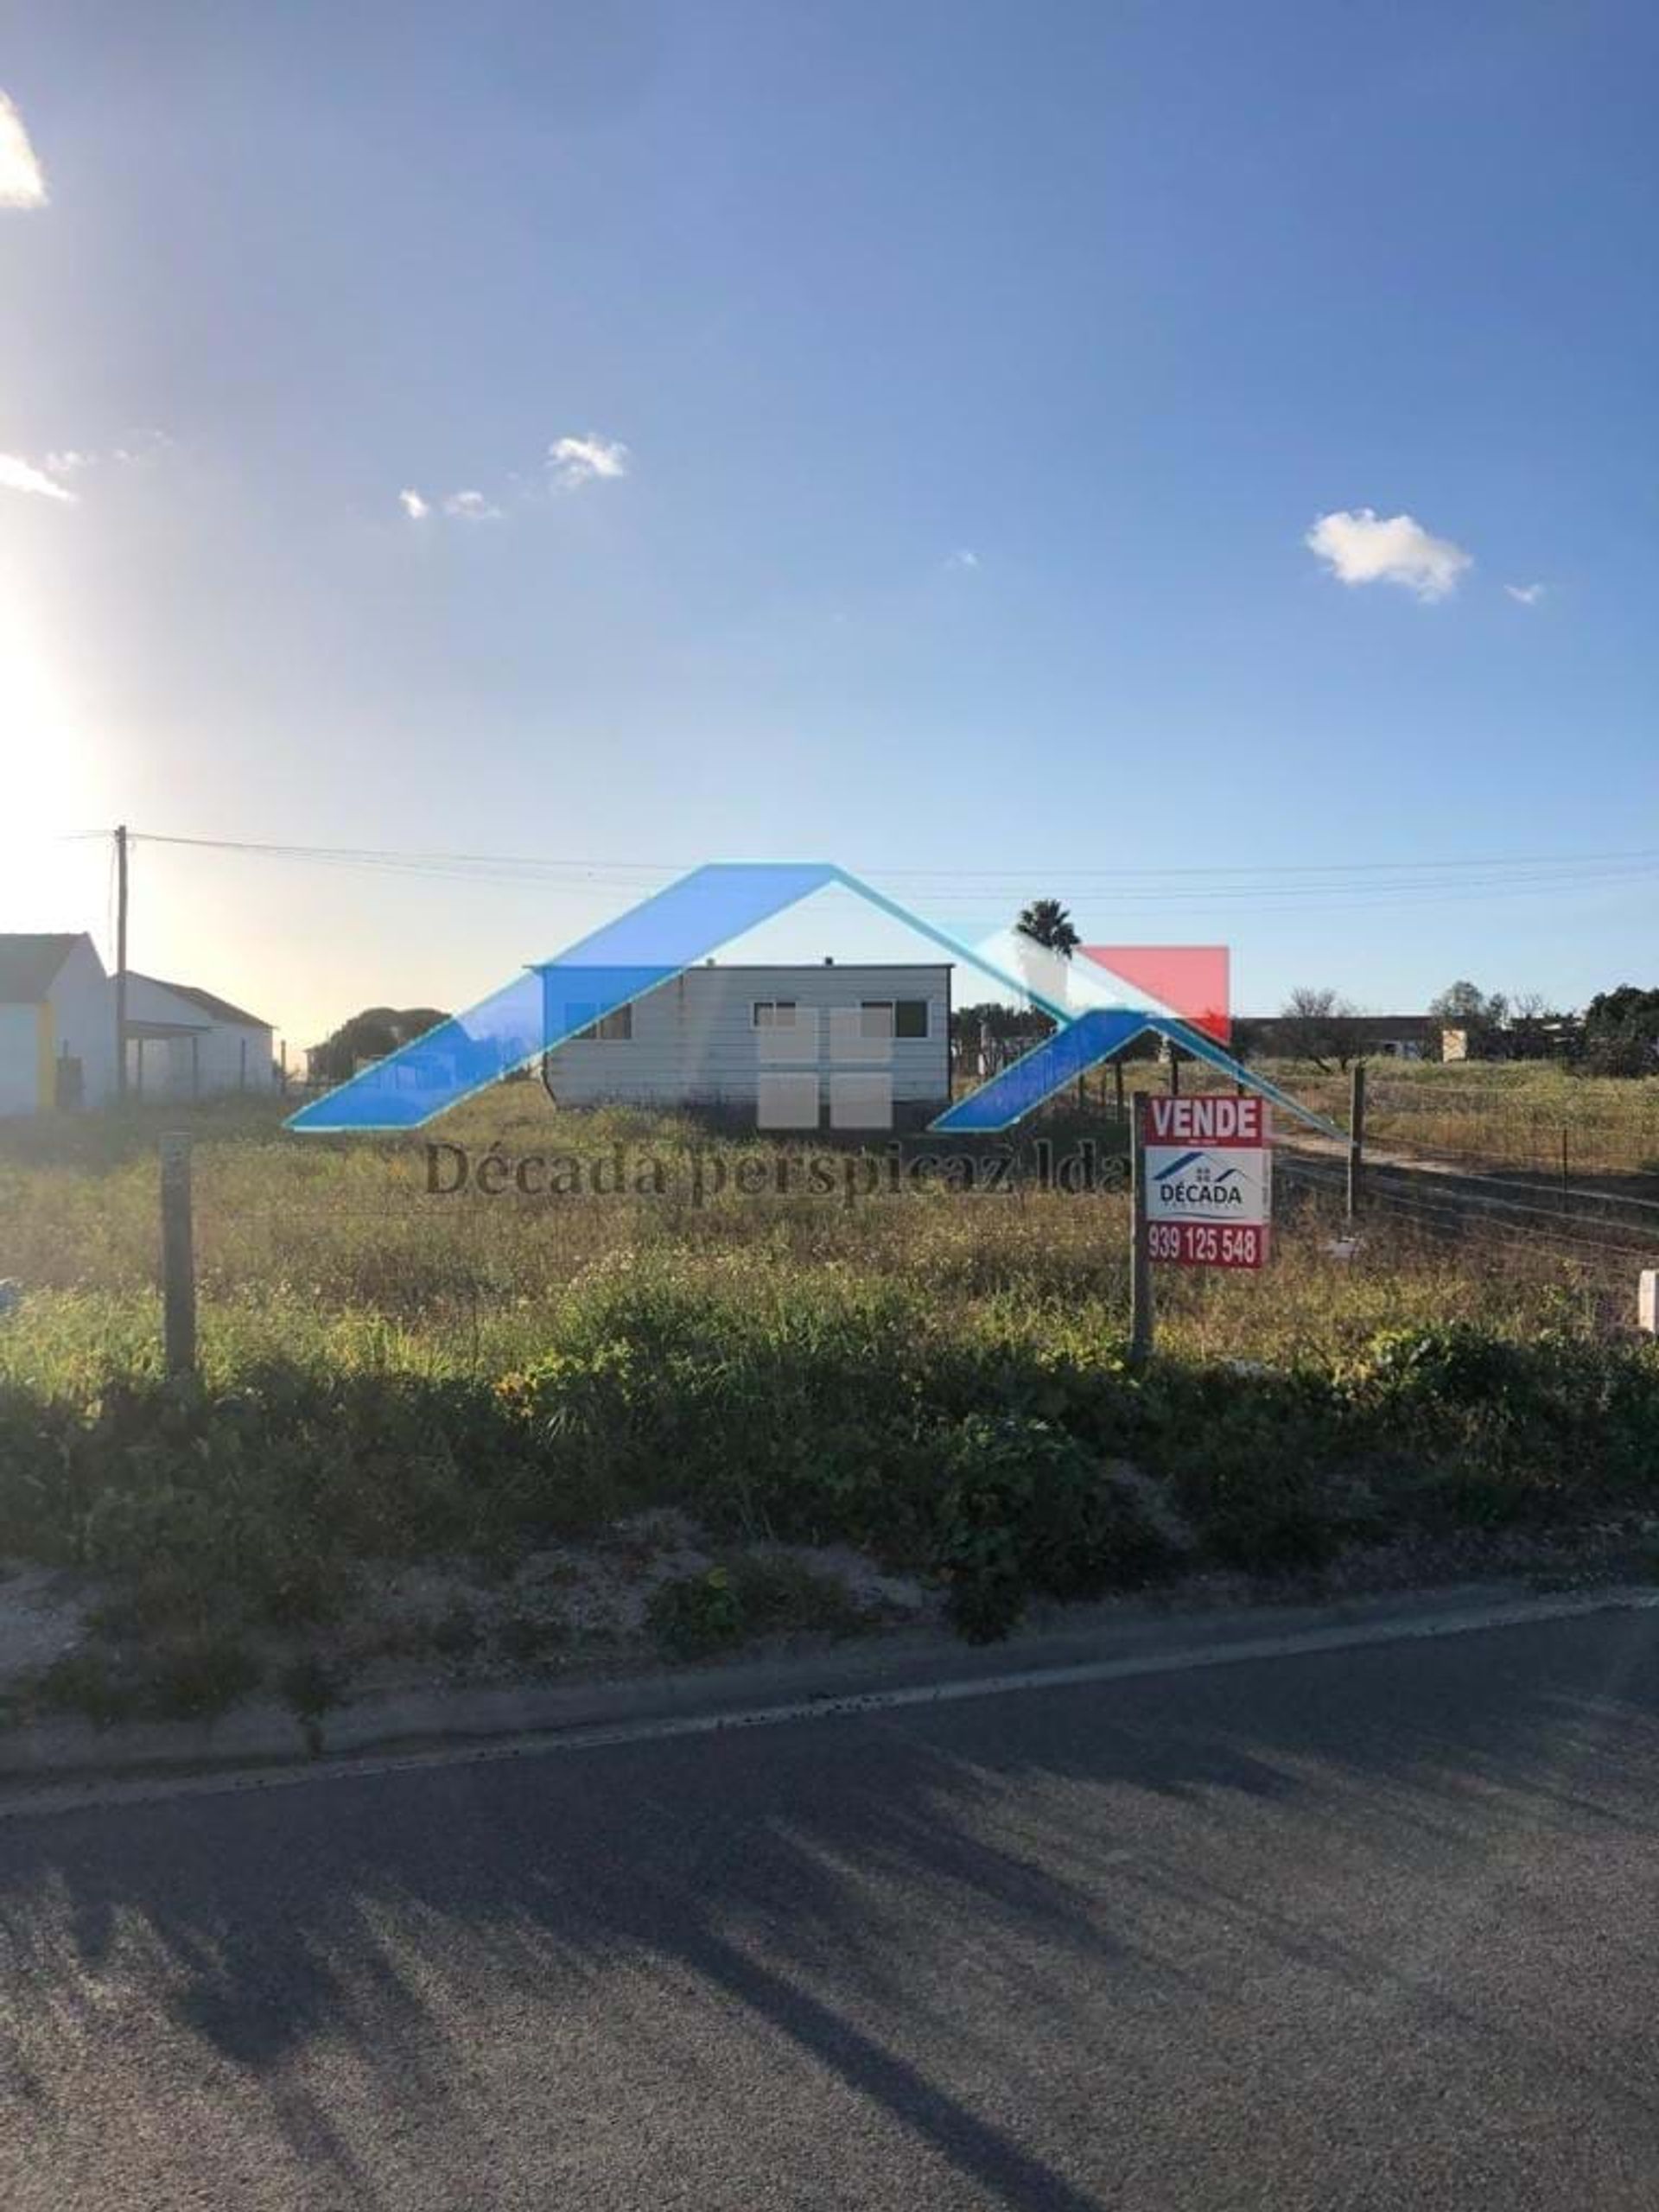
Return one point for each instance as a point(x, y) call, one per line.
point(695, 1042)
point(229, 1056)
point(236, 1056)
point(20, 1060)
point(82, 1000)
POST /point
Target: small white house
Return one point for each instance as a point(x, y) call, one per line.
point(852, 1047)
point(57, 1023)
point(183, 1042)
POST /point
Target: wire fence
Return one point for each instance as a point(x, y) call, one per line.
point(1614, 1243)
point(1580, 1129)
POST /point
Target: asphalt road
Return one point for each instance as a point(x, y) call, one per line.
point(1376, 1928)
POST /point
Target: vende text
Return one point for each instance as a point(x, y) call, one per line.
point(1206, 1120)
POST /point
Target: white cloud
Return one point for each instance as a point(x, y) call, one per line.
point(18, 475)
point(146, 446)
point(963, 557)
point(1365, 547)
point(22, 184)
point(575, 461)
point(1528, 594)
point(570, 462)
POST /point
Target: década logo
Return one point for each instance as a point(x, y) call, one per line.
point(689, 921)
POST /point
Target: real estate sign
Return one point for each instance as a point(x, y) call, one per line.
point(1208, 1179)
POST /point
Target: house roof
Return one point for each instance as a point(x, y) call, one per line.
point(29, 962)
point(221, 1009)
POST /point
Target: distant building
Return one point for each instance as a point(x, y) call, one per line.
point(57, 1024)
point(183, 1042)
point(1362, 1036)
point(859, 1046)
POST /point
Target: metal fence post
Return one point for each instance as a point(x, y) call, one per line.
point(1356, 1134)
point(178, 1258)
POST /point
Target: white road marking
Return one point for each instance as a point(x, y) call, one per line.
point(32, 1801)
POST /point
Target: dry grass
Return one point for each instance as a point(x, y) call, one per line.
point(1532, 1116)
point(333, 1250)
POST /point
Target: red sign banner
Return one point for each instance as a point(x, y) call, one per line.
point(1208, 1121)
point(1208, 1243)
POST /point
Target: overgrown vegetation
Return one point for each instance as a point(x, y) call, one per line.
point(975, 1445)
point(939, 1381)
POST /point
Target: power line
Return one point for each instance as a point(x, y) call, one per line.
point(1645, 855)
point(1359, 885)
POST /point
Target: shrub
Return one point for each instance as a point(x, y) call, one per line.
point(1026, 1506)
point(194, 1679)
point(777, 1593)
point(200, 1680)
point(311, 1687)
point(695, 1616)
point(90, 1682)
point(825, 1407)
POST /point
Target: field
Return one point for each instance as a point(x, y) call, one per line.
point(633, 1317)
point(1536, 1117)
point(334, 1252)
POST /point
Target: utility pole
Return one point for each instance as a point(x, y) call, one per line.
point(121, 959)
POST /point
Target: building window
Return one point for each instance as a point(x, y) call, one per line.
point(773, 1014)
point(904, 1017)
point(614, 1028)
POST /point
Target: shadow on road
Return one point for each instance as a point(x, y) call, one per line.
point(840, 1898)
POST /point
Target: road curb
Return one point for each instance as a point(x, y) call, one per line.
point(72, 1765)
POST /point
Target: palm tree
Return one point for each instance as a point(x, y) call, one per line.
point(1046, 922)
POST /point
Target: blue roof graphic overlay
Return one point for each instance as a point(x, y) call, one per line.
point(649, 944)
point(1048, 1067)
point(687, 921)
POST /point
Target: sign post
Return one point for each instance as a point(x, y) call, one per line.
point(1140, 1307)
point(1207, 1172)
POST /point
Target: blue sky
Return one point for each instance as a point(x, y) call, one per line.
point(946, 392)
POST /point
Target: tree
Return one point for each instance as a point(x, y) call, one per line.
point(1466, 1001)
point(1480, 1014)
point(1245, 1039)
point(370, 1035)
point(1536, 1028)
point(986, 1036)
point(1046, 922)
point(1317, 1025)
point(1621, 1031)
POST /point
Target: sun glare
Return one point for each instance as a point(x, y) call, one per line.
point(43, 783)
